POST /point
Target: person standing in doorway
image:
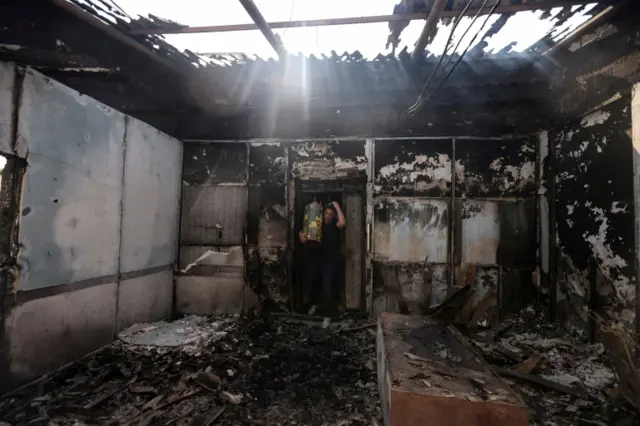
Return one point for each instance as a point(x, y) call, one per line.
point(323, 263)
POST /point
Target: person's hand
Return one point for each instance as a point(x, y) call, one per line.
point(335, 204)
point(303, 237)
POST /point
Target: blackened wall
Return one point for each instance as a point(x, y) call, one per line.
point(595, 215)
point(423, 215)
point(451, 213)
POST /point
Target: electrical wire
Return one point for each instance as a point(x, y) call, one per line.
point(475, 18)
point(420, 99)
point(495, 6)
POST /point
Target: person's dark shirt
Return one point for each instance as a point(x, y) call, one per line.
point(331, 240)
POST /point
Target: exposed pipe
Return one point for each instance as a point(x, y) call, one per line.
point(429, 28)
point(262, 24)
point(511, 8)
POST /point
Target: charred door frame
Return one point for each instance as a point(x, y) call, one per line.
point(342, 186)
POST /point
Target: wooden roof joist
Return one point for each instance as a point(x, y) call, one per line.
point(510, 8)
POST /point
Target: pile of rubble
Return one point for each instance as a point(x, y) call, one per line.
point(214, 371)
point(564, 379)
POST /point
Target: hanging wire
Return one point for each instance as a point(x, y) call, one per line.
point(444, 53)
point(493, 9)
point(422, 98)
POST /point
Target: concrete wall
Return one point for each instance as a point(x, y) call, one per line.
point(97, 229)
point(595, 216)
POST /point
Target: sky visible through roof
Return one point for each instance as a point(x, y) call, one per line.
point(524, 28)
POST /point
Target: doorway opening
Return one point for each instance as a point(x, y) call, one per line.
point(348, 282)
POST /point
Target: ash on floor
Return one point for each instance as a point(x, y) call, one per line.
point(214, 371)
point(563, 378)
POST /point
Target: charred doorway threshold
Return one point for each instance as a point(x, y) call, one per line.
point(348, 287)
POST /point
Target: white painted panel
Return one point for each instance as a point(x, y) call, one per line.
point(480, 232)
point(145, 299)
point(411, 230)
point(151, 206)
point(70, 226)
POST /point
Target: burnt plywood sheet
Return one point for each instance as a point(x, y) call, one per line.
point(411, 230)
point(267, 163)
point(273, 224)
point(408, 287)
point(354, 250)
point(7, 106)
point(208, 210)
point(517, 246)
point(413, 167)
point(479, 232)
point(426, 370)
point(324, 160)
point(493, 168)
point(211, 163)
point(595, 207)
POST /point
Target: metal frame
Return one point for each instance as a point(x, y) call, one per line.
point(262, 24)
point(511, 8)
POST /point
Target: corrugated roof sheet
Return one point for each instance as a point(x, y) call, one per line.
point(518, 32)
point(506, 33)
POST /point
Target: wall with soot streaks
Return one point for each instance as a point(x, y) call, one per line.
point(450, 213)
point(595, 215)
point(433, 213)
point(268, 224)
point(213, 226)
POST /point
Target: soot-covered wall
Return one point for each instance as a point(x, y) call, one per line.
point(421, 213)
point(595, 215)
point(453, 213)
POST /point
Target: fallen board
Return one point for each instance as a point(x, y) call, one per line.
point(428, 374)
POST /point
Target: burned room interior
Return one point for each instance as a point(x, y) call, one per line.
point(484, 156)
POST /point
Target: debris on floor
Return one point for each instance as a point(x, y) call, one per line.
point(430, 371)
point(564, 379)
point(214, 371)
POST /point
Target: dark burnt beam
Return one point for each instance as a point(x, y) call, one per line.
point(98, 74)
point(430, 26)
point(585, 28)
point(261, 23)
point(57, 33)
point(595, 89)
point(511, 8)
point(486, 120)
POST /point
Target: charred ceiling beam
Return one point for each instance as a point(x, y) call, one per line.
point(511, 8)
point(49, 34)
point(430, 26)
point(592, 23)
point(373, 121)
point(261, 23)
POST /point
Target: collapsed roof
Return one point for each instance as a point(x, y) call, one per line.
point(148, 77)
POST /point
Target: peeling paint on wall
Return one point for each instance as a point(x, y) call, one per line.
point(266, 163)
point(495, 168)
point(328, 160)
point(212, 163)
point(413, 168)
point(595, 213)
point(411, 230)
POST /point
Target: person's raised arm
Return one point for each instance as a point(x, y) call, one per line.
point(342, 222)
